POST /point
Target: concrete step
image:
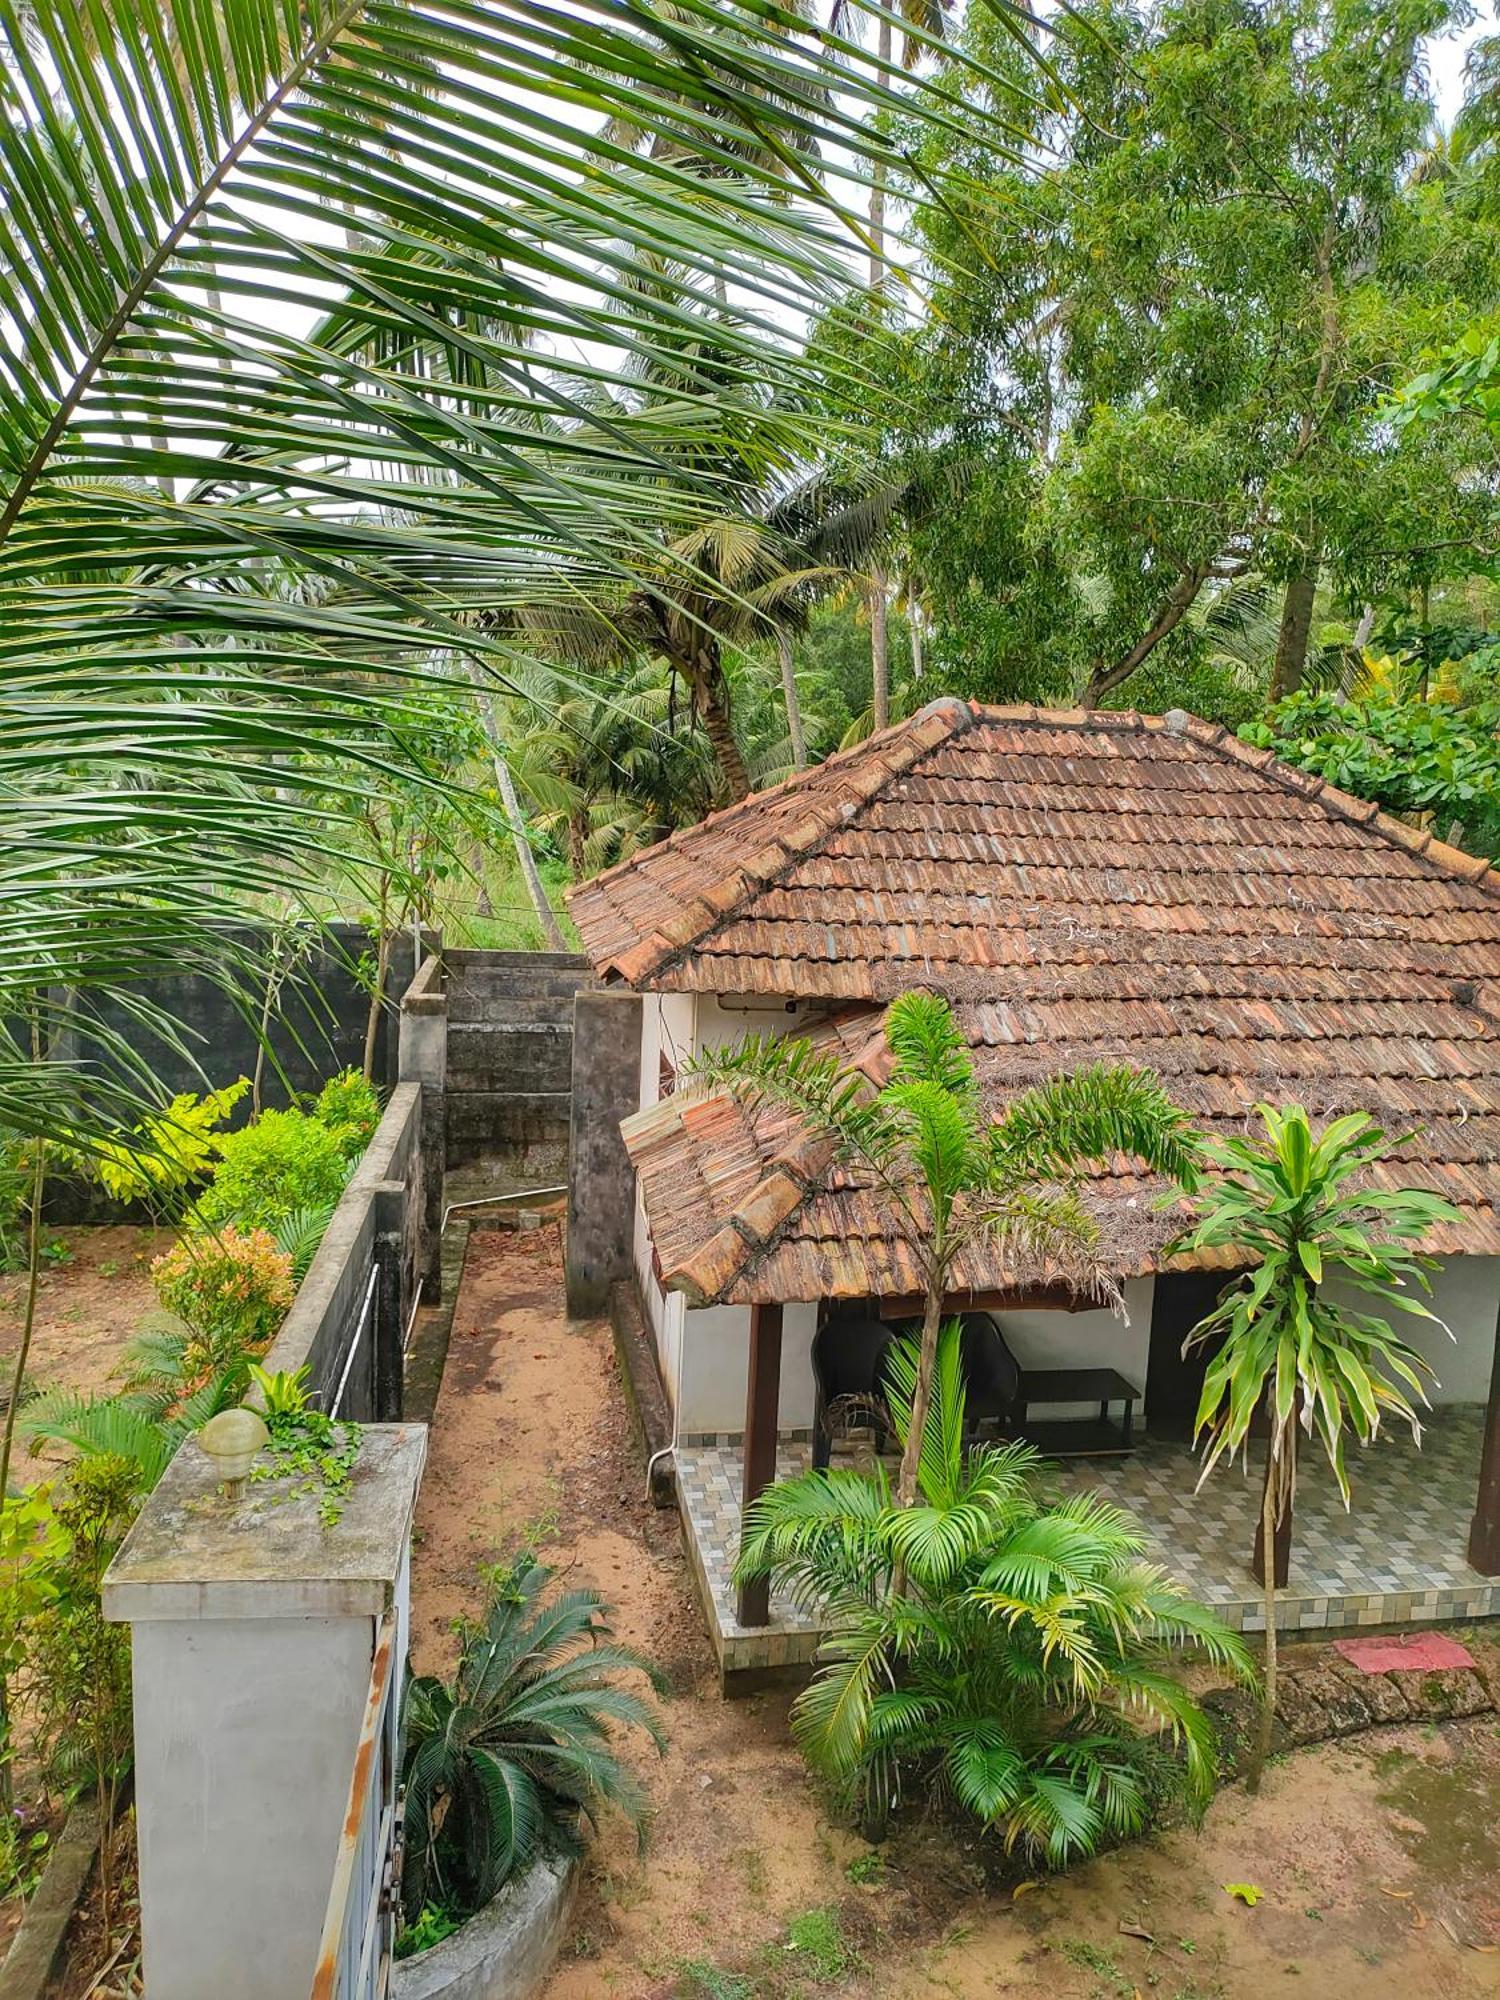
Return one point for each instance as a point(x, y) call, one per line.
point(471, 1009)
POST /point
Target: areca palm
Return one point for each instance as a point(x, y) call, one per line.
point(950, 1172)
point(1324, 1239)
point(507, 1760)
point(988, 1637)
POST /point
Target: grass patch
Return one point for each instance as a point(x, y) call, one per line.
point(700, 1980)
point(817, 1940)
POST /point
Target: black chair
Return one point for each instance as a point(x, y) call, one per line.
point(992, 1378)
point(848, 1360)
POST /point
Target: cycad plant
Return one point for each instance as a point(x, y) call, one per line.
point(1306, 1332)
point(950, 1174)
point(1012, 1649)
point(508, 1758)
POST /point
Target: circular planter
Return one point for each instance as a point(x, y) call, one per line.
point(503, 1953)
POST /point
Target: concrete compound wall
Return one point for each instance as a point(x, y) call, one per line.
point(374, 1238)
point(317, 1028)
point(510, 1060)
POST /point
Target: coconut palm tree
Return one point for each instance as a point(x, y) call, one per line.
point(198, 401)
point(951, 1173)
point(990, 1638)
point(1297, 1350)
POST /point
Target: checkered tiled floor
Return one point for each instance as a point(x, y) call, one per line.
point(1397, 1557)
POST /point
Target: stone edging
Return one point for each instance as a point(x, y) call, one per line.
point(506, 1951)
point(36, 1949)
point(645, 1397)
point(1334, 1698)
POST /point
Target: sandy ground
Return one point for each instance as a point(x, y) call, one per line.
point(88, 1306)
point(1379, 1859)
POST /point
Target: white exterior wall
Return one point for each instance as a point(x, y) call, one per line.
point(1466, 1297)
point(716, 1368)
point(713, 1368)
point(1096, 1338)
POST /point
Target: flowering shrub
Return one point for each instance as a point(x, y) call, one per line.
point(348, 1106)
point(284, 1162)
point(233, 1289)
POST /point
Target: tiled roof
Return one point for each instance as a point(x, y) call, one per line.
point(1083, 886)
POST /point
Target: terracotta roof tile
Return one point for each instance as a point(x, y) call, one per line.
point(1083, 886)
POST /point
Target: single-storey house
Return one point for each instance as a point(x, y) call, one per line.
point(1081, 885)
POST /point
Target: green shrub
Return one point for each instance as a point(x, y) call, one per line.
point(1002, 1667)
point(233, 1289)
point(165, 1153)
point(507, 1758)
point(348, 1106)
point(429, 1927)
point(284, 1162)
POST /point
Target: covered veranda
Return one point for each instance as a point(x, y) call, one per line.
point(1401, 1554)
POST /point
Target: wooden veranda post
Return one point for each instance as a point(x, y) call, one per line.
point(762, 1397)
point(1484, 1535)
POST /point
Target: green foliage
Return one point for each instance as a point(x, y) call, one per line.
point(78, 1666)
point(817, 1943)
point(15, 1191)
point(506, 1760)
point(1316, 1223)
point(989, 1641)
point(233, 1288)
point(285, 1162)
point(1162, 337)
point(430, 1926)
point(166, 1153)
point(299, 1234)
point(312, 1451)
point(1429, 761)
point(950, 1176)
point(285, 1392)
point(350, 1108)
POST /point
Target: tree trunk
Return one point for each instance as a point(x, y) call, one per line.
point(1268, 1520)
point(914, 631)
point(790, 696)
point(546, 916)
point(377, 996)
point(705, 676)
point(880, 649)
point(578, 826)
point(911, 1457)
point(877, 179)
point(1296, 626)
point(1174, 607)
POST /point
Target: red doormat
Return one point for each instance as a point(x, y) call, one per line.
point(1420, 1653)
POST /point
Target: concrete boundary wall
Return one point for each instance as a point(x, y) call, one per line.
point(363, 1281)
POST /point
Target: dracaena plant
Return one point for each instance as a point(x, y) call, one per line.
point(951, 1173)
point(1307, 1332)
point(1014, 1664)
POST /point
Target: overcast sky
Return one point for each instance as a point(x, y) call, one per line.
point(1447, 59)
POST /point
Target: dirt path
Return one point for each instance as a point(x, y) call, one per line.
point(1379, 1859)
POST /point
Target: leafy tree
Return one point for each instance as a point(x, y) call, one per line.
point(1170, 351)
point(950, 1174)
point(1298, 1343)
point(988, 1637)
point(504, 1762)
point(1431, 761)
